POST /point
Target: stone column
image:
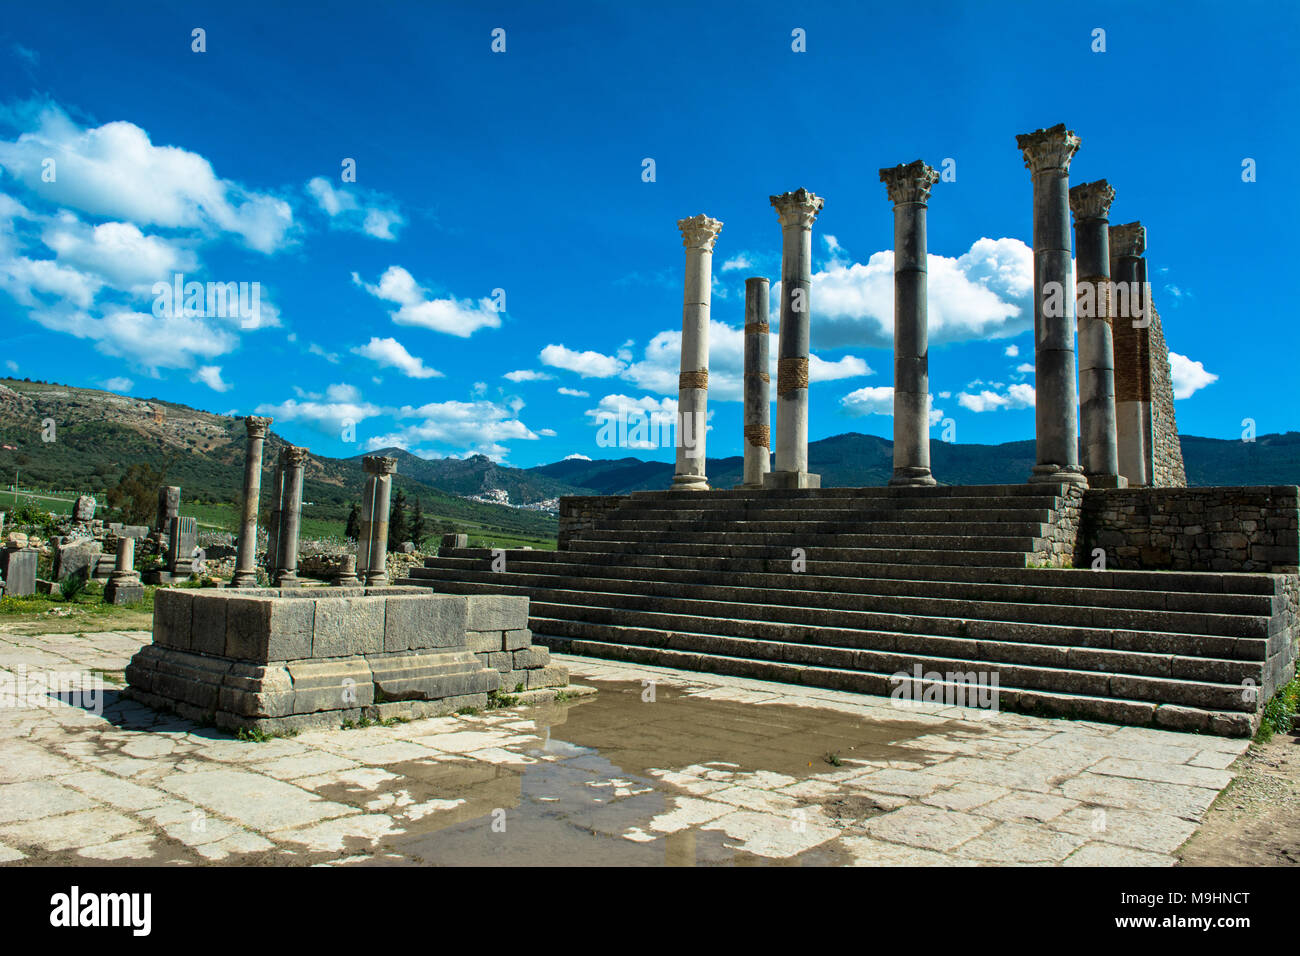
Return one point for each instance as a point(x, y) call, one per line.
point(245, 575)
point(797, 210)
point(909, 189)
point(372, 547)
point(1132, 378)
point(124, 586)
point(1047, 155)
point(698, 235)
point(277, 513)
point(1090, 203)
point(758, 384)
point(294, 459)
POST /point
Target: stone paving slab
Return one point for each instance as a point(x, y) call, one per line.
point(715, 770)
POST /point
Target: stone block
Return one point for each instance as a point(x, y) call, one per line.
point(172, 617)
point(257, 691)
point(531, 657)
point(500, 661)
point(497, 612)
point(266, 629)
point(125, 593)
point(455, 541)
point(484, 642)
point(330, 685)
point(517, 640)
point(412, 622)
point(431, 675)
point(208, 624)
point(75, 557)
point(553, 675)
point(18, 568)
point(348, 626)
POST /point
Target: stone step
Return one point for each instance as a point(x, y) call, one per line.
point(891, 553)
point(1207, 582)
point(828, 539)
point(1048, 703)
point(836, 513)
point(678, 528)
point(733, 618)
point(910, 506)
point(876, 491)
point(774, 584)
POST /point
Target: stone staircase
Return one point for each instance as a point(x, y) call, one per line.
point(848, 587)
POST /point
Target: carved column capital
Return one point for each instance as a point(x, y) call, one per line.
point(797, 208)
point(379, 465)
point(294, 456)
point(1129, 239)
point(699, 232)
point(909, 182)
point(1048, 148)
point(1091, 200)
point(256, 426)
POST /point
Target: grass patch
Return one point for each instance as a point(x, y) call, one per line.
point(497, 700)
point(833, 759)
point(256, 735)
point(561, 696)
point(469, 711)
point(1279, 712)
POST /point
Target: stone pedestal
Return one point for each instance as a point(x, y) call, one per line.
point(1132, 353)
point(758, 384)
point(245, 575)
point(1047, 155)
point(908, 186)
point(797, 211)
point(455, 541)
point(183, 538)
point(1090, 203)
point(347, 576)
point(124, 585)
point(698, 236)
point(372, 546)
point(293, 461)
point(18, 569)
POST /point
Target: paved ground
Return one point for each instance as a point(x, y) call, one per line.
point(661, 766)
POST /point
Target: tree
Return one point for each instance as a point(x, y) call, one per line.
point(418, 530)
point(136, 494)
point(353, 529)
point(398, 532)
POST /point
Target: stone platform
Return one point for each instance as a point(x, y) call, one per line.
point(273, 660)
point(855, 588)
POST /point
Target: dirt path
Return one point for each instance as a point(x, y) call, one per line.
point(1256, 820)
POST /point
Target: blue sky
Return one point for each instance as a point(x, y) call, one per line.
point(522, 172)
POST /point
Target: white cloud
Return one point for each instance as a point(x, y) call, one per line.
point(114, 171)
point(573, 392)
point(390, 353)
point(547, 432)
point(117, 251)
point(985, 293)
point(459, 317)
point(118, 384)
point(850, 366)
point(576, 457)
point(357, 209)
point(871, 400)
point(1017, 396)
point(527, 375)
point(462, 427)
point(1025, 368)
point(587, 364)
point(343, 406)
point(738, 261)
point(1012, 351)
point(210, 375)
point(1189, 377)
point(331, 357)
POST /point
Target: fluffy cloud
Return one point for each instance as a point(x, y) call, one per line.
point(573, 392)
point(871, 400)
point(478, 426)
point(117, 251)
point(210, 375)
point(587, 364)
point(341, 406)
point(118, 384)
point(527, 375)
point(390, 353)
point(114, 171)
point(1189, 377)
point(459, 317)
point(1016, 396)
point(357, 209)
point(985, 293)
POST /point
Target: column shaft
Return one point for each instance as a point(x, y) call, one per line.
point(372, 550)
point(1132, 399)
point(277, 512)
point(295, 460)
point(245, 575)
point(698, 236)
point(796, 210)
point(758, 384)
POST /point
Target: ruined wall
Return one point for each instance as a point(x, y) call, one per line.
point(580, 513)
point(1165, 450)
point(1194, 529)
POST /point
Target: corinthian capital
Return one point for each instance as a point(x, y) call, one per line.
point(379, 465)
point(1129, 239)
point(798, 208)
point(909, 182)
point(295, 456)
point(1048, 148)
point(257, 426)
point(699, 232)
point(1091, 200)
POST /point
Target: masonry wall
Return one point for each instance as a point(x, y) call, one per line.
point(1194, 529)
point(1166, 451)
point(580, 513)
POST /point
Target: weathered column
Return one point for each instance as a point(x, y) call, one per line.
point(245, 575)
point(1090, 203)
point(372, 547)
point(797, 210)
point(1132, 378)
point(698, 235)
point(169, 506)
point(909, 189)
point(294, 460)
point(758, 384)
point(1047, 155)
point(124, 586)
point(272, 563)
